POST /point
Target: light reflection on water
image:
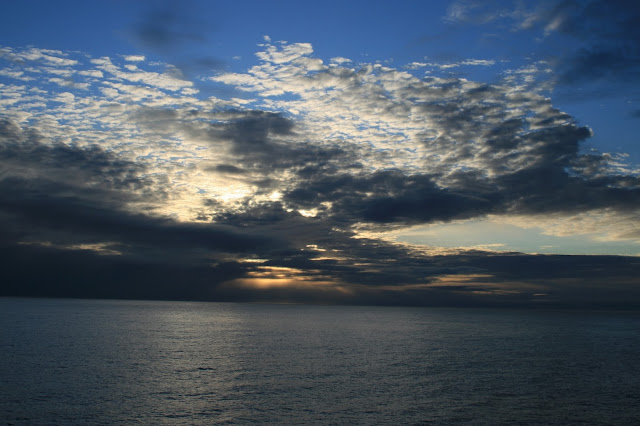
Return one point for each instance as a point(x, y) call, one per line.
point(87, 361)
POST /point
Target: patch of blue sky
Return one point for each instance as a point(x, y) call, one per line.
point(485, 234)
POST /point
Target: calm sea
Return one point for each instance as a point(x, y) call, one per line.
point(128, 362)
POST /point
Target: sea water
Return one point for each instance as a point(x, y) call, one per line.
point(144, 362)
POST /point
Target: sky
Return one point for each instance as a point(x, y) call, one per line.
point(423, 153)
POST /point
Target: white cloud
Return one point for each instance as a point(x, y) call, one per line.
point(134, 58)
point(416, 65)
point(18, 75)
point(133, 74)
point(286, 53)
point(449, 65)
point(50, 57)
point(92, 73)
point(340, 60)
point(479, 62)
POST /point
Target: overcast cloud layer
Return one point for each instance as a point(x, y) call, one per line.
point(119, 178)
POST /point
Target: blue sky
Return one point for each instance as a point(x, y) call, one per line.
point(337, 131)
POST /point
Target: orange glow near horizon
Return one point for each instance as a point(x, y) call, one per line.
point(268, 277)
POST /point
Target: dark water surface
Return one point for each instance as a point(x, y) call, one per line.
point(124, 362)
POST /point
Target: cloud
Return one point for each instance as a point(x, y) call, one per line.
point(166, 80)
point(586, 42)
point(608, 33)
point(50, 272)
point(25, 154)
point(49, 57)
point(134, 58)
point(167, 27)
point(385, 197)
point(56, 193)
point(469, 149)
point(171, 29)
point(139, 182)
point(450, 65)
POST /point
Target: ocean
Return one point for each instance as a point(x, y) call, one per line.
point(146, 362)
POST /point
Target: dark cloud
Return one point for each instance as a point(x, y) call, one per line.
point(251, 132)
point(171, 29)
point(593, 45)
point(388, 196)
point(377, 273)
point(53, 193)
point(372, 271)
point(228, 168)
point(162, 259)
point(266, 142)
point(68, 230)
point(604, 36)
point(23, 154)
point(549, 190)
point(550, 176)
point(610, 37)
point(168, 28)
point(502, 280)
point(49, 272)
point(260, 144)
point(48, 212)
